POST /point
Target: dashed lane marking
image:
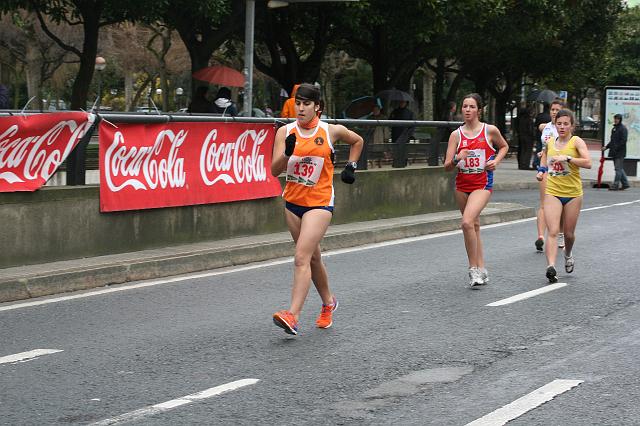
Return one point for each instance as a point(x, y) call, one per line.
point(528, 294)
point(527, 403)
point(174, 403)
point(26, 356)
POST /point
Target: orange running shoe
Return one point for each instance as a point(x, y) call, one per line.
point(325, 319)
point(286, 320)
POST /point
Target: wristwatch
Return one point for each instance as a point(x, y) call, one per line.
point(569, 158)
point(353, 164)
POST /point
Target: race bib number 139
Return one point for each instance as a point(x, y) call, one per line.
point(304, 170)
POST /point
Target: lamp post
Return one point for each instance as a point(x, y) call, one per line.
point(179, 93)
point(159, 94)
point(100, 65)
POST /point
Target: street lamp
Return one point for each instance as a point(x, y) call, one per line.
point(248, 45)
point(179, 93)
point(100, 65)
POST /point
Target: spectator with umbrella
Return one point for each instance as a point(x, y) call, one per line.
point(222, 103)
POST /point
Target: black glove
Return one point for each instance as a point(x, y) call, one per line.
point(289, 145)
point(348, 175)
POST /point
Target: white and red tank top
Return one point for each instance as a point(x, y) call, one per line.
point(471, 170)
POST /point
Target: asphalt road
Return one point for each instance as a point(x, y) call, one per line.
point(411, 344)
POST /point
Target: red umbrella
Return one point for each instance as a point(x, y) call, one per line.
point(600, 170)
point(220, 75)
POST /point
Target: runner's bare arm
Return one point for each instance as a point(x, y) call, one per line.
point(500, 144)
point(339, 132)
point(449, 164)
point(278, 159)
point(584, 160)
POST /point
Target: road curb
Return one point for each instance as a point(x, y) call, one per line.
point(138, 268)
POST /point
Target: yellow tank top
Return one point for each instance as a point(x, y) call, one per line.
point(564, 177)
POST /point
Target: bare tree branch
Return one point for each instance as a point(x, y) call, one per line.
point(55, 38)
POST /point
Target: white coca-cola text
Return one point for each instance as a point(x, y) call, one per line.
point(146, 167)
point(28, 158)
point(233, 162)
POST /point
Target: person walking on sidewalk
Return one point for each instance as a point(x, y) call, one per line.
point(617, 147)
point(472, 149)
point(562, 160)
point(304, 149)
point(547, 131)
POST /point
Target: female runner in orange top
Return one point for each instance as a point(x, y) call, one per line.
point(304, 149)
point(472, 149)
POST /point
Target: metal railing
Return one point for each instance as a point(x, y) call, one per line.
point(401, 150)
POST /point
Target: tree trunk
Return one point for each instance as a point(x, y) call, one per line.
point(33, 66)
point(80, 89)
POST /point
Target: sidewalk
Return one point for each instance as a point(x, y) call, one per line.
point(57, 277)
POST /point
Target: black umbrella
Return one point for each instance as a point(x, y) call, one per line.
point(546, 96)
point(394, 95)
point(360, 108)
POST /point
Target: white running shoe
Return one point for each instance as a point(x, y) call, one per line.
point(475, 278)
point(484, 275)
point(569, 263)
point(560, 240)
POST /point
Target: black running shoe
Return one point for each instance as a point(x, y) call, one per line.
point(552, 275)
point(539, 244)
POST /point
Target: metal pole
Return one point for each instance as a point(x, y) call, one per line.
point(99, 90)
point(248, 58)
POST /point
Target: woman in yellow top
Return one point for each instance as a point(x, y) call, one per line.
point(562, 159)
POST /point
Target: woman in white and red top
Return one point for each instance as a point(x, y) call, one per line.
point(475, 149)
point(304, 149)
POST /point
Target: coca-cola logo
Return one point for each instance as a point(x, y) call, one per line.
point(233, 162)
point(28, 158)
point(146, 167)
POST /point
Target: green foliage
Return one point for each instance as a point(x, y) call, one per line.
point(623, 65)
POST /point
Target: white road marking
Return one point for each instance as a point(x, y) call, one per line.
point(169, 405)
point(528, 294)
point(25, 356)
point(527, 403)
point(125, 287)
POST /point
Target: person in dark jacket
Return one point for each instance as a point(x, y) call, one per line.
point(222, 103)
point(617, 147)
point(400, 113)
point(200, 103)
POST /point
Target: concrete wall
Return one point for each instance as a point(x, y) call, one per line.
point(58, 223)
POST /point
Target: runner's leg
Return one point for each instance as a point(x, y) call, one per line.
point(570, 214)
point(552, 214)
point(319, 274)
point(470, 206)
point(540, 214)
point(309, 230)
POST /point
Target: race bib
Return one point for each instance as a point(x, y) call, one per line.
point(474, 163)
point(559, 168)
point(304, 170)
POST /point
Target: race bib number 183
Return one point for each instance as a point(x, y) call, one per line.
point(474, 163)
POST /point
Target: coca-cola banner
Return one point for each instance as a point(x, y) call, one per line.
point(32, 147)
point(146, 166)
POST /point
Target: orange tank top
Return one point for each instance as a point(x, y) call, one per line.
point(310, 168)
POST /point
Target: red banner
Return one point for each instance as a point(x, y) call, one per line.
point(145, 166)
point(32, 147)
